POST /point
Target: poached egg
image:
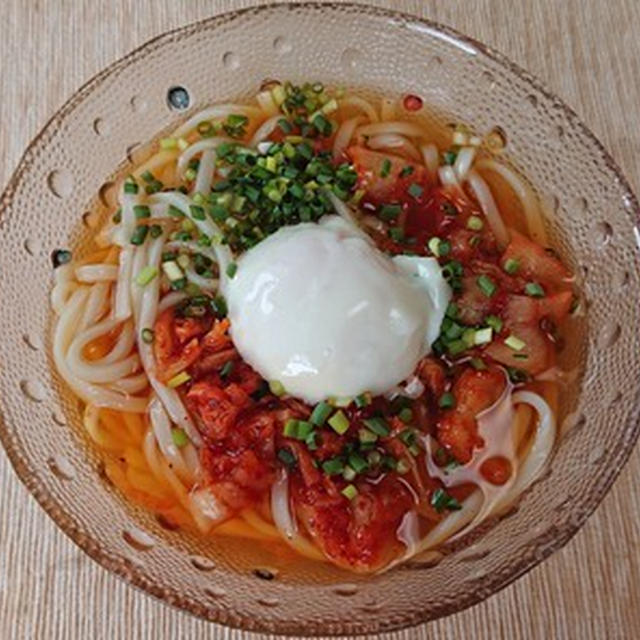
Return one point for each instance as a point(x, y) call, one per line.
point(318, 308)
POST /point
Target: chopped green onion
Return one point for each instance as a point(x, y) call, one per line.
point(358, 463)
point(349, 492)
point(339, 422)
point(396, 234)
point(197, 213)
point(486, 285)
point(139, 235)
point(287, 458)
point(515, 343)
point(406, 171)
point(179, 437)
point(320, 413)
point(146, 275)
point(402, 467)
point(285, 126)
point(155, 230)
point(231, 269)
point(447, 400)
point(179, 379)
point(494, 322)
point(130, 187)
point(366, 437)
point(174, 212)
point(390, 212)
point(168, 143)
point(517, 375)
point(441, 500)
point(333, 466)
point(386, 168)
point(190, 174)
point(534, 290)
point(141, 211)
point(147, 335)
point(475, 223)
point(172, 270)
point(226, 369)
point(456, 347)
point(276, 387)
point(483, 336)
point(406, 415)
point(379, 426)
point(349, 474)
point(363, 400)
point(511, 266)
point(478, 364)
point(415, 190)
point(374, 458)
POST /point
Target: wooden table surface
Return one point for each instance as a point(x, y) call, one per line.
point(586, 51)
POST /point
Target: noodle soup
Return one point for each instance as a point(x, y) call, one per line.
point(316, 321)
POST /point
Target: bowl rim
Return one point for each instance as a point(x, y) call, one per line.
point(216, 613)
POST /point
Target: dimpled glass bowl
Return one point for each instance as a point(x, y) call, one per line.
point(68, 170)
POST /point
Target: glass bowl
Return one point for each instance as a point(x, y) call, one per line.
point(68, 170)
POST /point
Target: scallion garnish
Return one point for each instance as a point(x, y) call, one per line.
point(146, 275)
point(339, 422)
point(534, 290)
point(511, 266)
point(320, 413)
point(415, 190)
point(349, 492)
point(447, 400)
point(386, 168)
point(486, 285)
point(179, 437)
point(378, 426)
point(147, 335)
point(441, 500)
point(139, 235)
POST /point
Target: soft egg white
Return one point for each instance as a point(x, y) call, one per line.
point(320, 309)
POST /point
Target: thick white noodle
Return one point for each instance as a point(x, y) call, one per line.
point(97, 305)
point(206, 169)
point(267, 103)
point(532, 213)
point(161, 426)
point(97, 371)
point(464, 161)
point(63, 287)
point(137, 265)
point(448, 177)
point(430, 158)
point(489, 208)
point(343, 210)
point(64, 332)
point(89, 273)
point(132, 384)
point(280, 507)
point(264, 130)
point(215, 113)
point(361, 104)
point(396, 144)
point(125, 342)
point(163, 472)
point(122, 306)
point(344, 135)
point(198, 147)
point(398, 127)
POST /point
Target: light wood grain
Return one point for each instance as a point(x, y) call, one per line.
point(588, 52)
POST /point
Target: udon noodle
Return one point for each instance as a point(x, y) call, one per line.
point(425, 462)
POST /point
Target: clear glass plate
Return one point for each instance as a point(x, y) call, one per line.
point(592, 217)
